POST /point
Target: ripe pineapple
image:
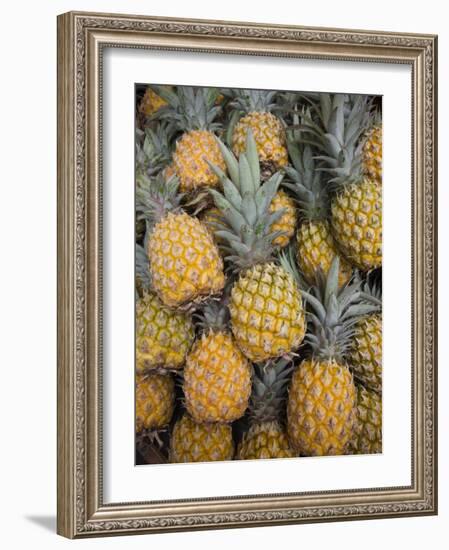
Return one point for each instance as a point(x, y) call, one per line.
point(163, 336)
point(267, 316)
point(151, 102)
point(155, 400)
point(322, 396)
point(266, 436)
point(367, 437)
point(286, 224)
point(193, 111)
point(194, 442)
point(217, 376)
point(185, 264)
point(356, 207)
point(365, 348)
point(268, 129)
point(315, 246)
point(372, 149)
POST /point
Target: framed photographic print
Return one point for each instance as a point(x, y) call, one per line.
point(246, 274)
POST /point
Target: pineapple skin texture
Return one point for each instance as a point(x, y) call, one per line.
point(155, 401)
point(193, 151)
point(367, 437)
point(365, 353)
point(269, 135)
point(265, 440)
point(186, 265)
point(321, 408)
point(356, 222)
point(217, 379)
point(372, 154)
point(267, 315)
point(163, 336)
point(315, 250)
point(151, 103)
point(287, 222)
point(193, 442)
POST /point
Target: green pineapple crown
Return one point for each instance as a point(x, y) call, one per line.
point(306, 182)
point(254, 100)
point(340, 121)
point(154, 148)
point(190, 108)
point(372, 286)
point(214, 314)
point(245, 205)
point(155, 197)
point(333, 312)
point(269, 390)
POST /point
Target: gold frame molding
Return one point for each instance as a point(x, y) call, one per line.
point(81, 39)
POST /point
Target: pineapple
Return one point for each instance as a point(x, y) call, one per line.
point(151, 103)
point(321, 404)
point(163, 336)
point(267, 316)
point(155, 400)
point(365, 348)
point(367, 438)
point(286, 224)
point(266, 436)
point(185, 264)
point(194, 111)
point(356, 207)
point(217, 376)
point(268, 129)
point(315, 246)
point(372, 149)
point(194, 442)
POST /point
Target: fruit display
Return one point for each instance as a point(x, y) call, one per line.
point(258, 246)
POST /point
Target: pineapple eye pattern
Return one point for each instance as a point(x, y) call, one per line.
point(258, 313)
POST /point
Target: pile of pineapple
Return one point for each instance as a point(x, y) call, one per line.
point(258, 274)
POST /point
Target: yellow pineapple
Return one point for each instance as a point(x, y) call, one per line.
point(357, 223)
point(268, 129)
point(356, 207)
point(155, 400)
point(194, 442)
point(321, 406)
point(151, 102)
point(163, 336)
point(266, 436)
point(365, 348)
point(185, 264)
point(267, 316)
point(372, 150)
point(193, 110)
point(217, 376)
point(315, 246)
point(367, 436)
point(287, 222)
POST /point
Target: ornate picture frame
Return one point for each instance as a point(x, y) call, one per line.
point(82, 38)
